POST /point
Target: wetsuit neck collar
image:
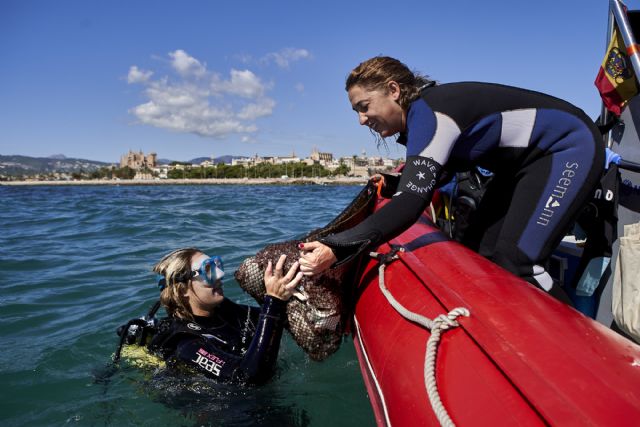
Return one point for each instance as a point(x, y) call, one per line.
point(402, 136)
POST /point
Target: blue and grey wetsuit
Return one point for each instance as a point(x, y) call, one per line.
point(236, 343)
point(545, 153)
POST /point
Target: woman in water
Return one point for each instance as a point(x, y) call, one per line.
point(210, 333)
point(546, 156)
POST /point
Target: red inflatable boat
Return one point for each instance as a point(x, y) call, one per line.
point(520, 358)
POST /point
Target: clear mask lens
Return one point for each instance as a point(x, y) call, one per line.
point(211, 270)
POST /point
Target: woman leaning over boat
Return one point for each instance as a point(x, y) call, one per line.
point(546, 156)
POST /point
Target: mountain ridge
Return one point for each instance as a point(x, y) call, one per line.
point(19, 165)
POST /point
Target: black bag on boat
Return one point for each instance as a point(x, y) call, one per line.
point(318, 312)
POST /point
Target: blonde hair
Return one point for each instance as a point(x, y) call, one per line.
point(376, 72)
point(176, 269)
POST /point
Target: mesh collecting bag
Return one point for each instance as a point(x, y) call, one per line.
point(317, 314)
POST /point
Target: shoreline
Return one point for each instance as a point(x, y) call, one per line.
point(209, 181)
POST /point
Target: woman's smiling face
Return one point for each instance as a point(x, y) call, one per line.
point(378, 108)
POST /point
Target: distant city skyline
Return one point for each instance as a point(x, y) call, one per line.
point(159, 159)
point(92, 80)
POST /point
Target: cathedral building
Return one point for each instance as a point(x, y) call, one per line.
point(138, 160)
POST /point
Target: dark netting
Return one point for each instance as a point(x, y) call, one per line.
point(318, 312)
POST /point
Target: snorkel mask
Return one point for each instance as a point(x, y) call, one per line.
point(210, 271)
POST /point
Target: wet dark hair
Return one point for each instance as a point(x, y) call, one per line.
point(376, 72)
point(176, 269)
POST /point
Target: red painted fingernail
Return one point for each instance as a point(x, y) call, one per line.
point(300, 245)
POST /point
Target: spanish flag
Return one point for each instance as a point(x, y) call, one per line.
point(616, 80)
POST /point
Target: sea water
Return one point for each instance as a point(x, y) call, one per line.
point(75, 263)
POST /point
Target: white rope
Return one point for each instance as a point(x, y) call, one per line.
point(436, 326)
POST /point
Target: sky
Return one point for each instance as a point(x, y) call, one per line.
point(184, 79)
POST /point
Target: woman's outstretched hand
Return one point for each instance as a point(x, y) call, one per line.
point(279, 286)
point(315, 258)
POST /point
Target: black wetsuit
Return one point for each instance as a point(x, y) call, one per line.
point(236, 343)
point(546, 156)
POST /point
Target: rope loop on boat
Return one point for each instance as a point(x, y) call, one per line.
point(437, 326)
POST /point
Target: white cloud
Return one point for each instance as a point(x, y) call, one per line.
point(186, 65)
point(286, 56)
point(299, 87)
point(242, 83)
point(138, 76)
point(264, 107)
point(201, 102)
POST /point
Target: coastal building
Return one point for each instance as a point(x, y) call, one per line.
point(289, 159)
point(362, 165)
point(161, 171)
point(138, 160)
point(143, 176)
point(320, 157)
point(256, 160)
point(243, 161)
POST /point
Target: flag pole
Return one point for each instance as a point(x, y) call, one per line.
point(605, 114)
point(627, 34)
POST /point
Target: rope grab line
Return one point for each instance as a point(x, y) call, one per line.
point(437, 326)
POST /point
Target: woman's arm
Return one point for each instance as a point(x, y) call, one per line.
point(396, 216)
point(259, 362)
